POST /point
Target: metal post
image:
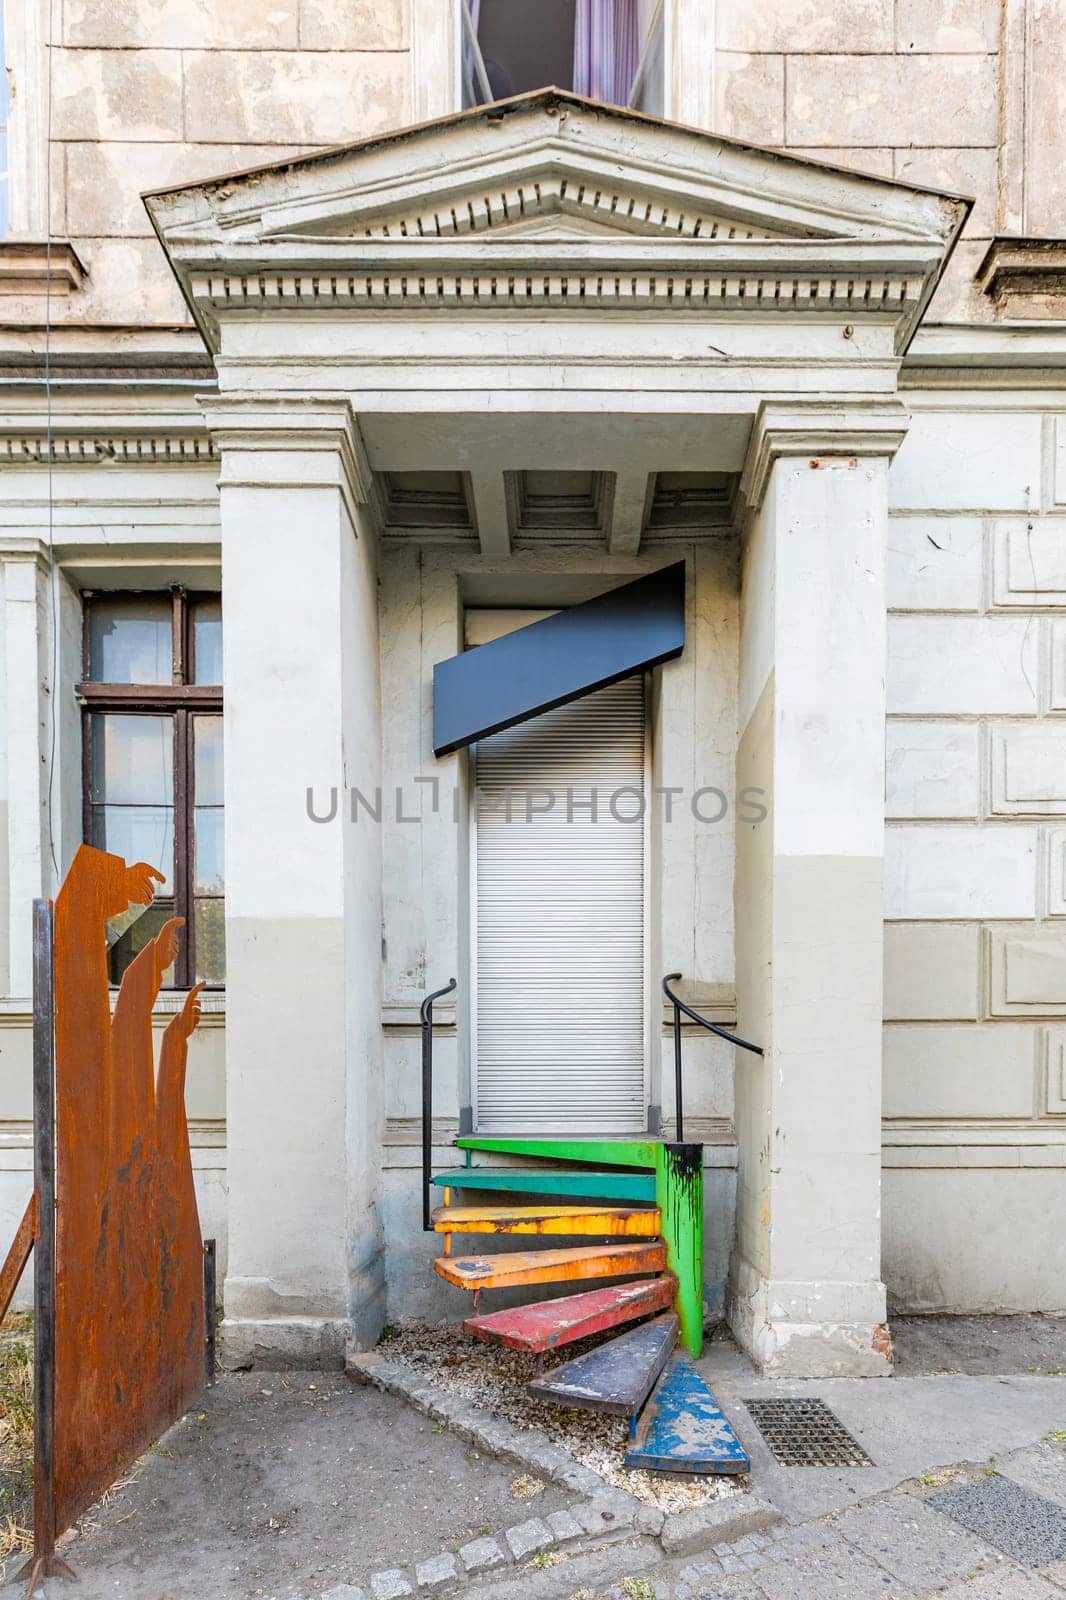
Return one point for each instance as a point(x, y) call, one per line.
point(677, 1075)
point(426, 1015)
point(44, 1266)
point(44, 1562)
point(427, 1111)
point(209, 1308)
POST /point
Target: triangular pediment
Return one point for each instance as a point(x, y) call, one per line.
point(550, 189)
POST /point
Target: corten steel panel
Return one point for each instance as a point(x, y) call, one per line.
point(129, 1333)
point(558, 659)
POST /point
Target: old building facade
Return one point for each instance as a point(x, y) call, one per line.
point(322, 364)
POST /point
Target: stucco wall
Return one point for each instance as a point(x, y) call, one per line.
point(907, 90)
point(960, 96)
point(975, 957)
point(162, 92)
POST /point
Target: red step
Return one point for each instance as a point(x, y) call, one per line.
point(551, 1323)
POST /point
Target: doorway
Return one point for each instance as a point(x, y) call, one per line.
point(559, 897)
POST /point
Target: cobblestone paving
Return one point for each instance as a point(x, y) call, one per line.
point(897, 1546)
point(909, 1543)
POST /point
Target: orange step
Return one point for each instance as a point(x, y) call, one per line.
point(625, 1221)
point(552, 1266)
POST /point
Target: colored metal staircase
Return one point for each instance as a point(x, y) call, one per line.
point(633, 1209)
point(670, 1234)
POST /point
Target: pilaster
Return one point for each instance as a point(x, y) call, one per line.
point(303, 930)
point(806, 1297)
point(27, 679)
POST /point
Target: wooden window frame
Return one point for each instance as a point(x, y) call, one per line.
point(180, 699)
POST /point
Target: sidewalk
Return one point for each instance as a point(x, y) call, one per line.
point(302, 1486)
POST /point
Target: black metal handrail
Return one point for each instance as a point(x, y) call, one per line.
point(426, 1014)
point(712, 1027)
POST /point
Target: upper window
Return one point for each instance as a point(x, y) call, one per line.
point(152, 765)
point(610, 50)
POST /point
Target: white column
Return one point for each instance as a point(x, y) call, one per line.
point(806, 1296)
point(303, 918)
point(27, 676)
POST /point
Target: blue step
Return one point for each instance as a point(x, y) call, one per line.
point(616, 1377)
point(595, 1185)
point(682, 1429)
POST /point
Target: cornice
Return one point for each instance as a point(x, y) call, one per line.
point(35, 266)
point(24, 547)
point(814, 429)
point(852, 283)
point(1026, 277)
point(254, 424)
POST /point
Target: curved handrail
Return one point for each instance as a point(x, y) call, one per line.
point(712, 1027)
point(425, 1010)
point(425, 1013)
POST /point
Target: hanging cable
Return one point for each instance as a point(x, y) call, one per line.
point(53, 597)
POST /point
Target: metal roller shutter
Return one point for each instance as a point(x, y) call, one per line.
point(560, 920)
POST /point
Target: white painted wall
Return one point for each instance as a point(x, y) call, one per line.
point(975, 942)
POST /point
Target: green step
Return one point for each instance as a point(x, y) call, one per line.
point(514, 1180)
point(611, 1152)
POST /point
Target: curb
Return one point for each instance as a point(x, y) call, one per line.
point(609, 1515)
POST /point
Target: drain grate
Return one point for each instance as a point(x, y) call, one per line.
point(805, 1433)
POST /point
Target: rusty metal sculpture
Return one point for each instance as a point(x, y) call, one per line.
point(119, 1269)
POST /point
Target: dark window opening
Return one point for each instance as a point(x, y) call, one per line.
point(151, 700)
point(610, 50)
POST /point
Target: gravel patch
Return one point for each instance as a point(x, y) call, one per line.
point(494, 1379)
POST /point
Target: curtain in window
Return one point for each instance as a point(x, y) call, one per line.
point(606, 49)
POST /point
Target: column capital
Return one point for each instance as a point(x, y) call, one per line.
point(815, 428)
point(249, 426)
point(25, 547)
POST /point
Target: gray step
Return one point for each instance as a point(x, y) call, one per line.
point(616, 1377)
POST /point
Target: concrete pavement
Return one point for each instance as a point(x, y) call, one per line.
point(301, 1487)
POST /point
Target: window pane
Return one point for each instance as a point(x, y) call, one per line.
point(208, 875)
point(138, 833)
point(650, 90)
point(127, 937)
point(132, 760)
point(207, 736)
point(210, 924)
point(207, 641)
point(522, 46)
point(130, 638)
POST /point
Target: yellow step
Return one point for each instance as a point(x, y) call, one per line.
point(552, 1266)
point(613, 1221)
